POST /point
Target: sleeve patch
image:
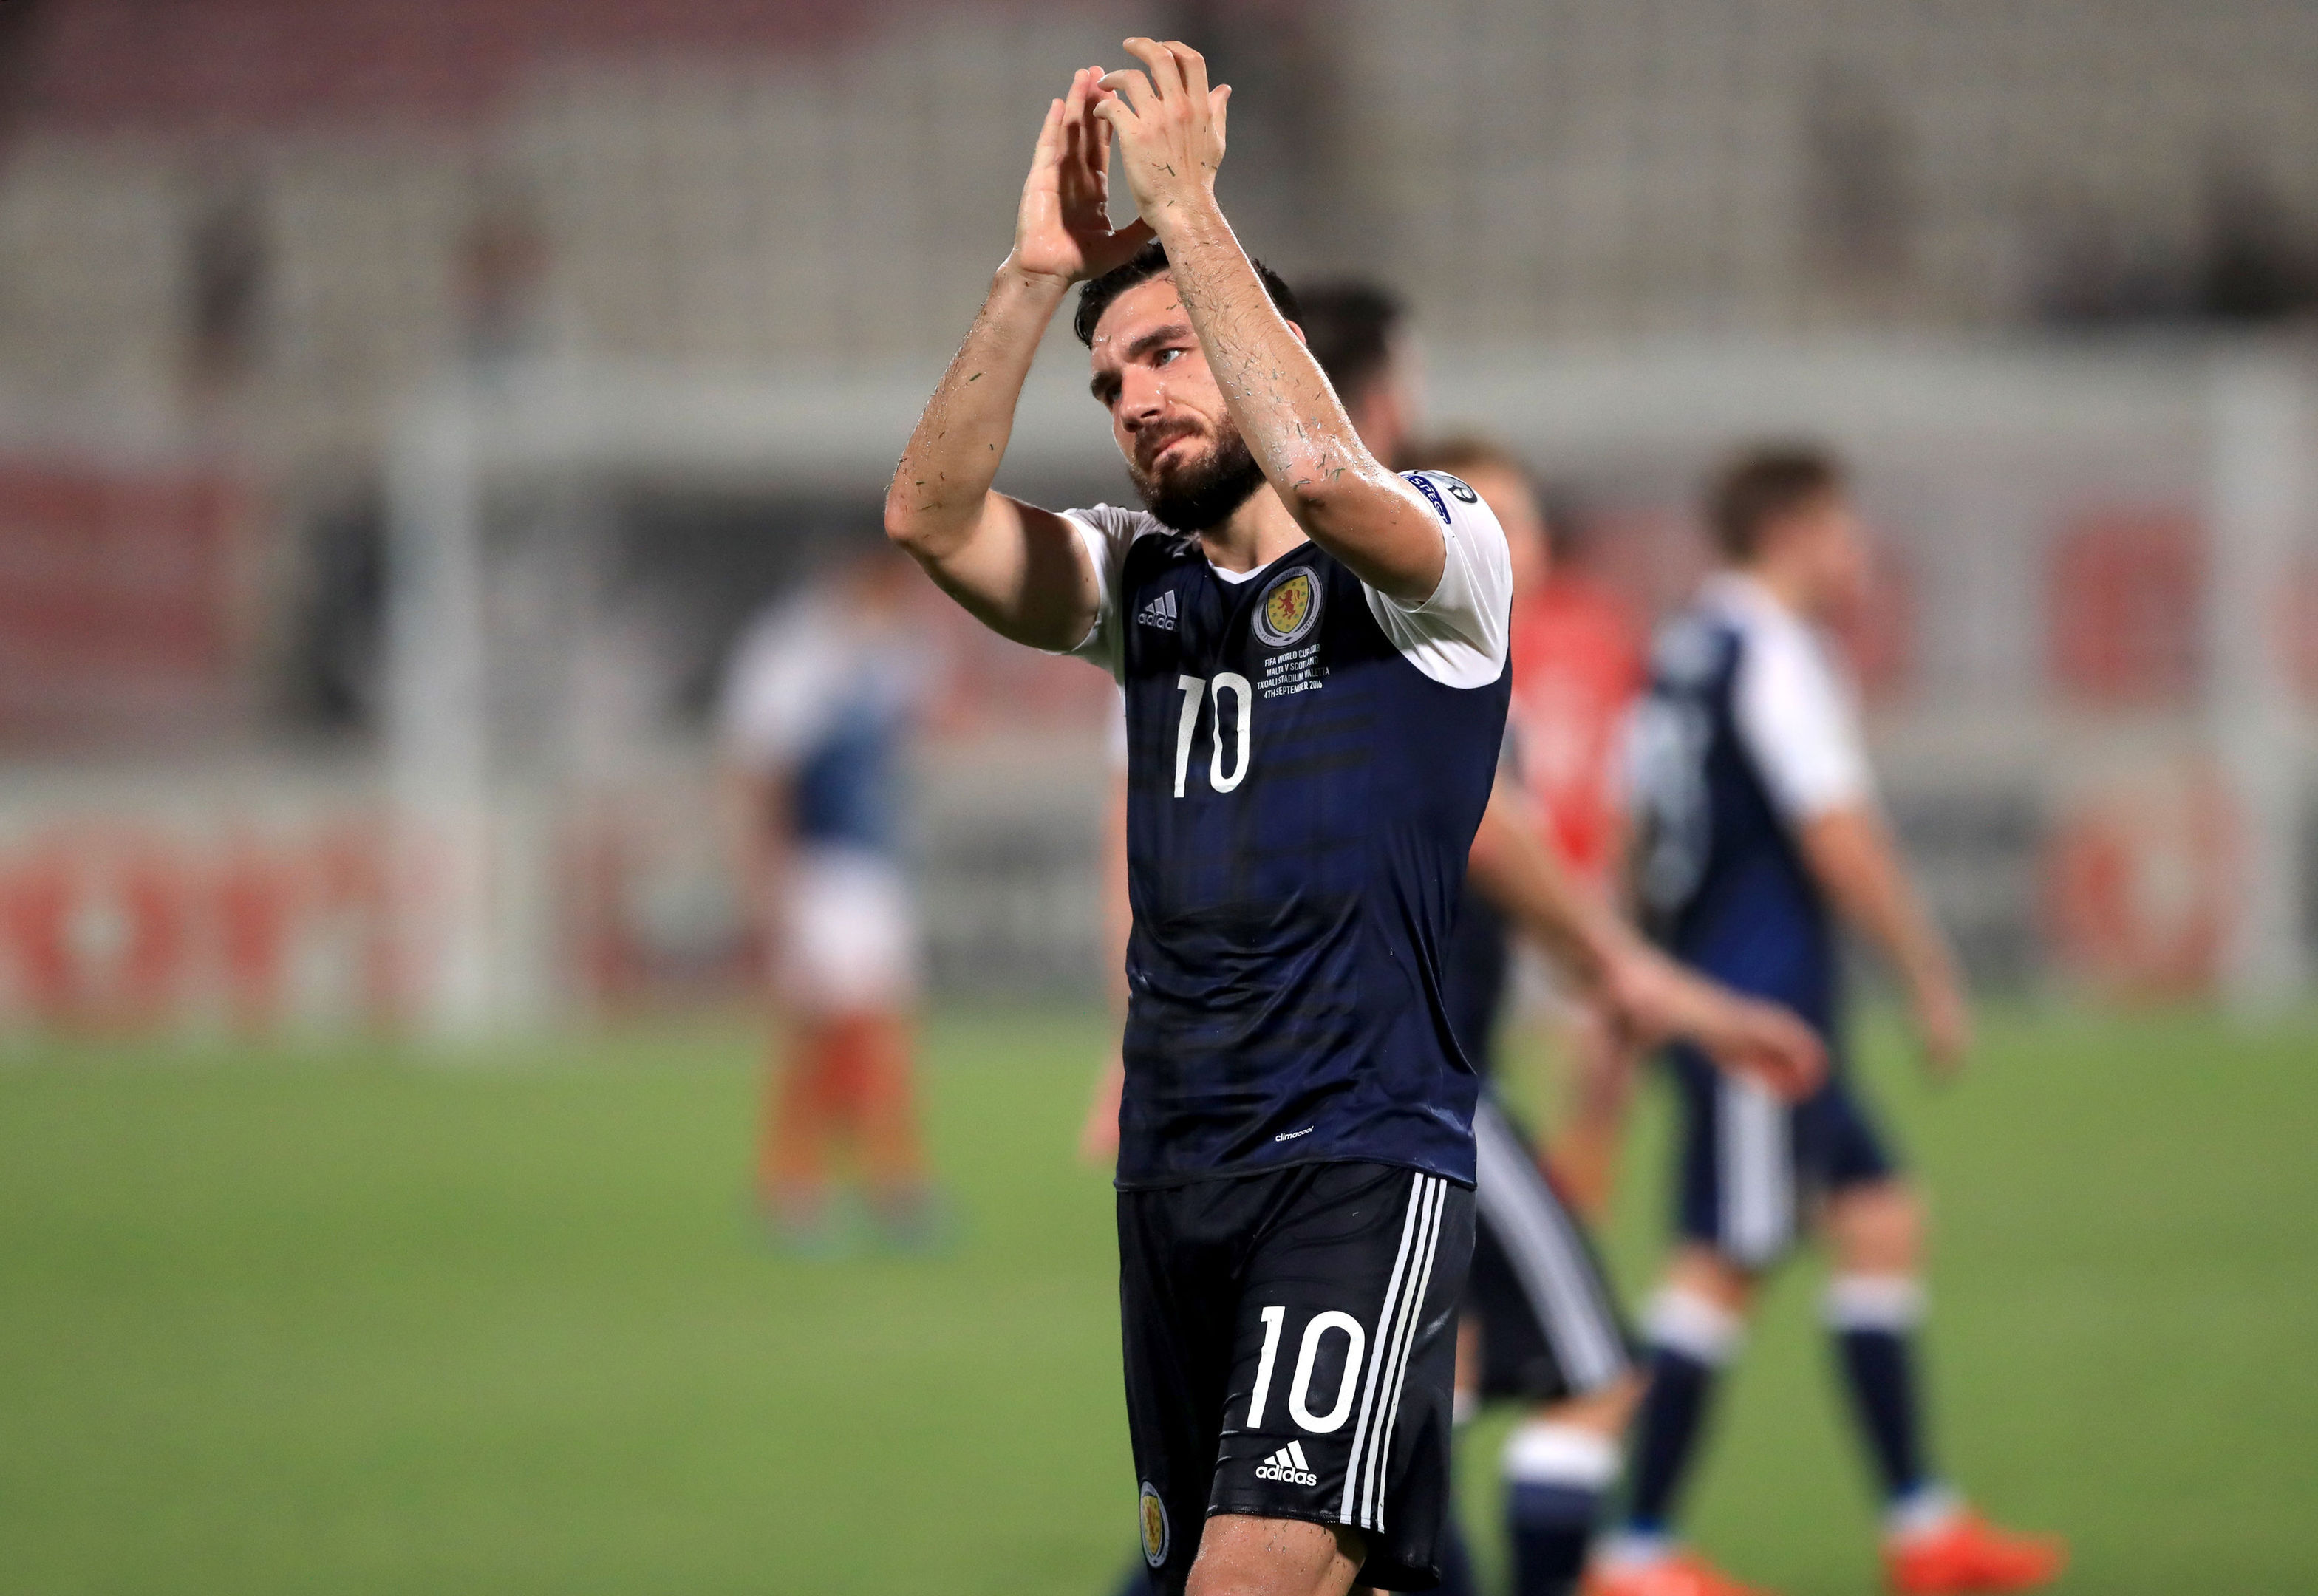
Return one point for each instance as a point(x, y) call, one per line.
point(1424, 486)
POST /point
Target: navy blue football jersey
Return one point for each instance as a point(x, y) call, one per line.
point(1747, 731)
point(1308, 761)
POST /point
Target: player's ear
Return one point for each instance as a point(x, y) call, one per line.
point(1298, 331)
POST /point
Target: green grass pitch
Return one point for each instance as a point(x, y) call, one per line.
point(292, 1323)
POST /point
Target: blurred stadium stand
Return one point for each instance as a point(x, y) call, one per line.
point(630, 307)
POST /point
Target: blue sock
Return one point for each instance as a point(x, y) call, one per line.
point(1690, 1340)
point(1556, 1475)
point(1665, 1435)
point(1873, 1318)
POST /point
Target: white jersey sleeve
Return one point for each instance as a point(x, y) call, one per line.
point(1107, 532)
point(1459, 635)
point(1799, 722)
point(777, 699)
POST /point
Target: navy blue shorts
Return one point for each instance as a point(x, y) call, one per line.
point(1291, 1343)
point(1749, 1162)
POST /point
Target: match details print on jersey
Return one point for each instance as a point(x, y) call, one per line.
point(1284, 612)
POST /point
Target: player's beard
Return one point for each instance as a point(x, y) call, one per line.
point(1197, 494)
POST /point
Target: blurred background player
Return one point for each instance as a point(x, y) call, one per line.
point(1578, 670)
point(822, 696)
point(1761, 833)
point(1359, 333)
point(1580, 666)
point(1540, 1323)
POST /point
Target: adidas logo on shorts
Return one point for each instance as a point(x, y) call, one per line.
point(1160, 612)
point(1289, 1467)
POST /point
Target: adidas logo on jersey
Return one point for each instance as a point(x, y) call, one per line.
point(1160, 612)
point(1289, 1467)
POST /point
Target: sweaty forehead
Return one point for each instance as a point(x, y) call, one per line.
point(1149, 304)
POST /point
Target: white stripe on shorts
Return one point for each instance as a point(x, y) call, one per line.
point(1412, 1317)
point(1564, 1293)
point(1416, 1231)
point(1755, 1171)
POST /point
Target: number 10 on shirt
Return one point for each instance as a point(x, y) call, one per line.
point(1195, 690)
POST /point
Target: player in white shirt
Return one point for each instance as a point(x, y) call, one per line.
point(821, 697)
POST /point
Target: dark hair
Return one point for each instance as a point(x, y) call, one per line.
point(1762, 486)
point(1143, 265)
point(1349, 327)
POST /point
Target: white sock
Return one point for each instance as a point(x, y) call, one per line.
point(1549, 1452)
point(1925, 1512)
point(1684, 1322)
point(1873, 1301)
point(1623, 1549)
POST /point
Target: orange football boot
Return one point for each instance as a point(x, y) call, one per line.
point(1679, 1574)
point(1970, 1554)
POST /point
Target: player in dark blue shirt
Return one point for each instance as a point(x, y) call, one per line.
point(1312, 651)
point(1759, 829)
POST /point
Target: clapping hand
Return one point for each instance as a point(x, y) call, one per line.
point(1064, 230)
point(1169, 125)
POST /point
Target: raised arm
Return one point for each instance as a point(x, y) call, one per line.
point(1171, 130)
point(1020, 570)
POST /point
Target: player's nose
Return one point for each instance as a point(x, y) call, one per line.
point(1140, 403)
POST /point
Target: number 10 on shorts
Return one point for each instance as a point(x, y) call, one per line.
point(1307, 1353)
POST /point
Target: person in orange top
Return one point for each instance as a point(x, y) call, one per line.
point(1580, 660)
point(1579, 665)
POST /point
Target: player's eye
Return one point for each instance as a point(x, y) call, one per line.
point(1165, 357)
